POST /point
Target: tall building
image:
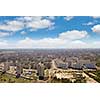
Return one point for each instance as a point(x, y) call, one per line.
point(19, 70)
point(5, 67)
point(70, 64)
point(40, 71)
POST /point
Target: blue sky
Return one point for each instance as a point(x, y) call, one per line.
point(50, 31)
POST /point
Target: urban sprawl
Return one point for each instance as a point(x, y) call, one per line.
point(50, 66)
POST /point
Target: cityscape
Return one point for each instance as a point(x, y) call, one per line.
point(49, 49)
point(50, 66)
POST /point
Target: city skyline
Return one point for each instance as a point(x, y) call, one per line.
point(49, 32)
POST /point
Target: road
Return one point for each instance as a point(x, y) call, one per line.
point(53, 65)
point(54, 68)
point(89, 79)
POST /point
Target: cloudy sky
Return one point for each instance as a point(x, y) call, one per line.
point(49, 32)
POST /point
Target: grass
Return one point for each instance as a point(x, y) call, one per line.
point(96, 73)
point(55, 80)
point(6, 78)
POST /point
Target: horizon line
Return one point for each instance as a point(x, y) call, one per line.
point(44, 48)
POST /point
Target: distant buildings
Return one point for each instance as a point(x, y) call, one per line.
point(45, 62)
point(87, 64)
point(74, 63)
point(90, 66)
point(61, 64)
point(78, 66)
point(82, 62)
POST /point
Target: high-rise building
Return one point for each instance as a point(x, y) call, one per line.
point(5, 67)
point(40, 71)
point(70, 64)
point(19, 70)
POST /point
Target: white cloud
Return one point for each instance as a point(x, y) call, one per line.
point(96, 28)
point(4, 44)
point(37, 22)
point(12, 26)
point(67, 39)
point(77, 44)
point(73, 35)
point(49, 43)
point(96, 17)
point(51, 17)
point(68, 18)
point(81, 44)
point(29, 18)
point(55, 43)
point(33, 22)
point(40, 24)
point(3, 34)
point(41, 43)
point(96, 44)
point(23, 32)
point(89, 23)
point(25, 43)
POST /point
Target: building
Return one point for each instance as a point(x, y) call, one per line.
point(61, 64)
point(5, 67)
point(70, 64)
point(19, 70)
point(78, 66)
point(82, 62)
point(63, 75)
point(87, 64)
point(90, 66)
point(40, 71)
point(27, 71)
point(48, 65)
point(12, 69)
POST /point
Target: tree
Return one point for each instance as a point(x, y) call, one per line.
point(98, 62)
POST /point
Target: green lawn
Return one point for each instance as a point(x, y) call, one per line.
point(6, 78)
point(96, 73)
point(55, 80)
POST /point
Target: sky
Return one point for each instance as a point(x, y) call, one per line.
point(49, 32)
